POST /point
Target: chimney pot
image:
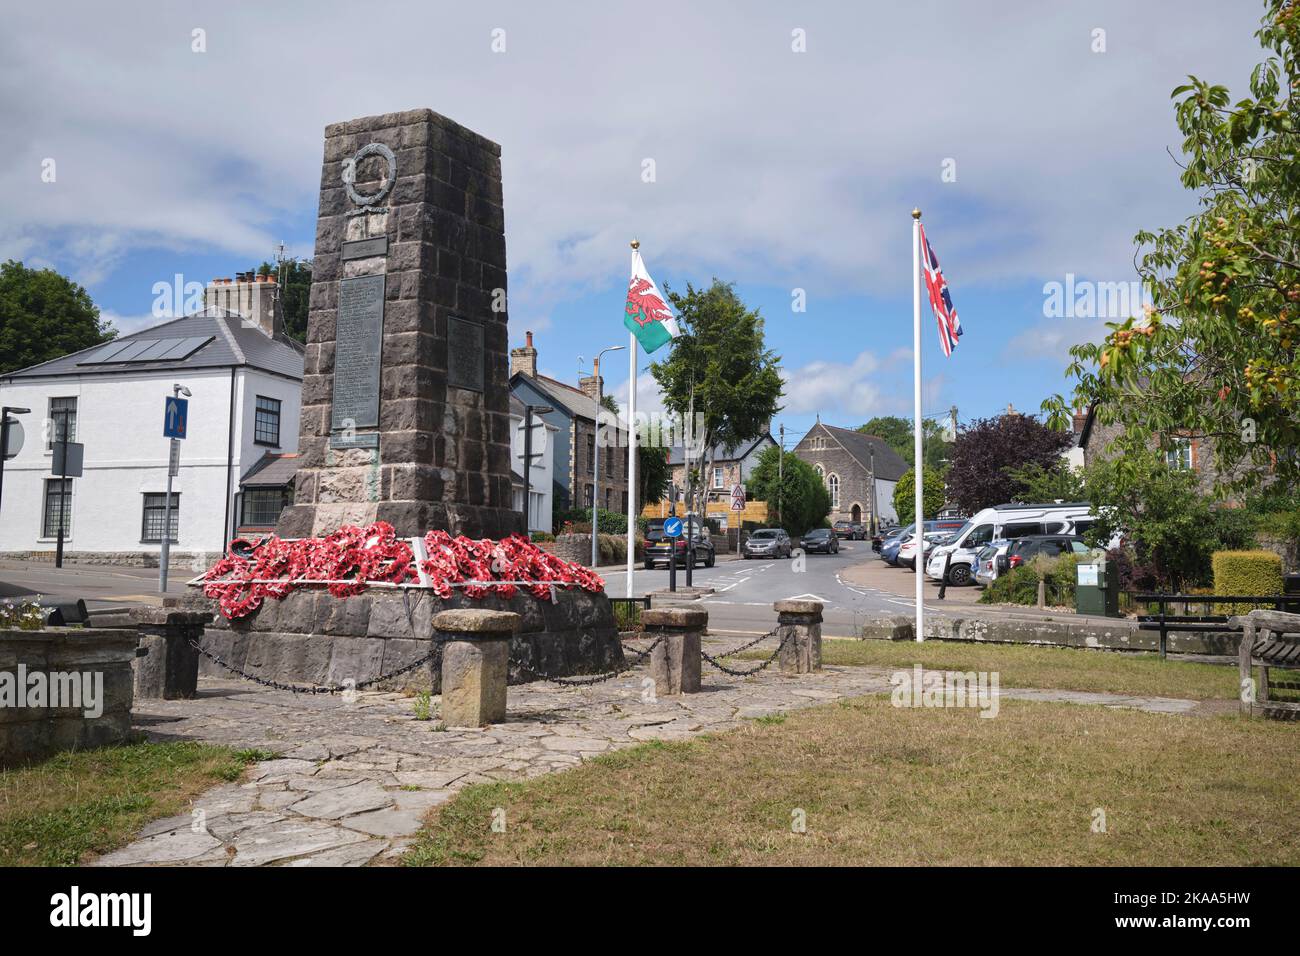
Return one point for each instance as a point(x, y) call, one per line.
point(528, 339)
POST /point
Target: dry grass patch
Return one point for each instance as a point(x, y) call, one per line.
point(1054, 668)
point(67, 809)
point(886, 786)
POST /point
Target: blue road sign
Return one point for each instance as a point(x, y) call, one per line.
point(176, 416)
point(673, 527)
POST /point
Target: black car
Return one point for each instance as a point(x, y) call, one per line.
point(1031, 545)
point(767, 543)
point(820, 539)
point(659, 548)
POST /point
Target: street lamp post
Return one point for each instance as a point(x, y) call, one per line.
point(4, 438)
point(595, 490)
point(165, 557)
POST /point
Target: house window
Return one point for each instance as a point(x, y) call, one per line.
point(63, 414)
point(591, 455)
point(1179, 457)
point(266, 422)
point(151, 527)
point(590, 494)
point(609, 499)
point(261, 507)
point(818, 469)
point(833, 483)
point(717, 477)
point(58, 506)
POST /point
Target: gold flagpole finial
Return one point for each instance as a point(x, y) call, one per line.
point(916, 214)
point(636, 243)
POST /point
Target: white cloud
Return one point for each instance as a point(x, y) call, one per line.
point(772, 166)
point(822, 386)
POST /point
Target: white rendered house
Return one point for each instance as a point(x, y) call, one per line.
point(245, 381)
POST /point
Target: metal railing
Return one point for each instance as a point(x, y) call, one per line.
point(627, 612)
point(1164, 622)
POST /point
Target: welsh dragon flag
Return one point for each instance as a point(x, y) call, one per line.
point(646, 315)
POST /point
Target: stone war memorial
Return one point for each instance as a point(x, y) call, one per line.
point(405, 411)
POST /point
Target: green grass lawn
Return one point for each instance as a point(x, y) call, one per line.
point(1055, 668)
point(67, 809)
point(879, 785)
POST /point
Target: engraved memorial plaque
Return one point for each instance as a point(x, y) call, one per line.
point(360, 332)
point(464, 354)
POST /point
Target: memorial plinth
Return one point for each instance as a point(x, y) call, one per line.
point(405, 402)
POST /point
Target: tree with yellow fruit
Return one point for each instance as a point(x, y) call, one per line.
point(1214, 356)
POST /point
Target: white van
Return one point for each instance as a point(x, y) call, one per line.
point(1004, 521)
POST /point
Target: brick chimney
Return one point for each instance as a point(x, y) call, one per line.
point(524, 359)
point(593, 385)
point(253, 297)
point(1080, 419)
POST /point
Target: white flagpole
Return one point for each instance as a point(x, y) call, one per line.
point(631, 443)
point(917, 469)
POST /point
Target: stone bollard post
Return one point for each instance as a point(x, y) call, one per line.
point(475, 664)
point(168, 665)
point(675, 662)
point(799, 625)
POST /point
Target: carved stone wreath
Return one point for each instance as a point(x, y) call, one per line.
point(350, 174)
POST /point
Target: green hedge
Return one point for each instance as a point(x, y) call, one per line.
point(1020, 585)
point(1246, 572)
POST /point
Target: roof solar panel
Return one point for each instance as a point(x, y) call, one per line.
point(102, 355)
point(184, 348)
point(131, 351)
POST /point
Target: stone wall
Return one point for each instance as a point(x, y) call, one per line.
point(32, 733)
point(313, 637)
point(195, 561)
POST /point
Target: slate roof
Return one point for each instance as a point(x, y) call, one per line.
point(232, 344)
point(677, 454)
point(271, 471)
point(565, 397)
point(889, 466)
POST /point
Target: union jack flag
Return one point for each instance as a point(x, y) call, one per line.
point(945, 313)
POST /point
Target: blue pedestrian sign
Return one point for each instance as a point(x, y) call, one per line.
point(176, 416)
point(673, 527)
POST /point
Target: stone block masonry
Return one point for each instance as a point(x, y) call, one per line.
point(29, 731)
point(405, 406)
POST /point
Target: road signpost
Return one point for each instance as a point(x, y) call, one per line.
point(176, 418)
point(672, 531)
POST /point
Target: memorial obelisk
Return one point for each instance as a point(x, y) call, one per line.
point(405, 400)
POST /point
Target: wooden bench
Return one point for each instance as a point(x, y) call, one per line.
point(1269, 639)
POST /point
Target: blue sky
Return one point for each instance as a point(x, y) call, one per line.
point(775, 167)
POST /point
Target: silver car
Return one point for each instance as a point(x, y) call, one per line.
point(986, 562)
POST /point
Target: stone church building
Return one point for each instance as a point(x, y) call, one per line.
point(849, 462)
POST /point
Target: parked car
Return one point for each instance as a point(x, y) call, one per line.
point(820, 539)
point(859, 531)
point(848, 529)
point(986, 562)
point(659, 550)
point(767, 543)
point(1002, 521)
point(883, 536)
point(1030, 546)
point(891, 543)
point(907, 551)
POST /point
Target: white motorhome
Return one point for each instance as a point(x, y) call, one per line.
point(1004, 521)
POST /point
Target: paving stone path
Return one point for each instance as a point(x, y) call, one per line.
point(353, 780)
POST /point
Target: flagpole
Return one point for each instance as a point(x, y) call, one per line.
point(918, 462)
point(631, 443)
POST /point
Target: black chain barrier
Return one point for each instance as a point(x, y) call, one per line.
point(315, 688)
point(589, 679)
point(716, 662)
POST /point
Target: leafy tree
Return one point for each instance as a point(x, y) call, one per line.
point(1054, 482)
point(932, 495)
point(989, 448)
point(897, 434)
point(1172, 529)
point(1216, 353)
point(44, 315)
point(799, 500)
point(294, 279)
point(719, 374)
